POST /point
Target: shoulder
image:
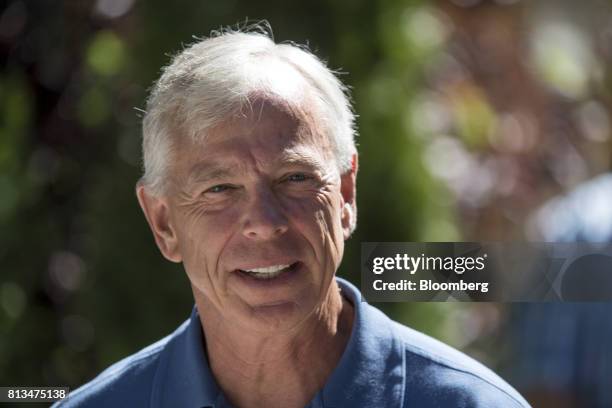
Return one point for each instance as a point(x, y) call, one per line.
point(126, 383)
point(439, 375)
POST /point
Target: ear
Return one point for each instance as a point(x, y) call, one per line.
point(157, 213)
point(348, 189)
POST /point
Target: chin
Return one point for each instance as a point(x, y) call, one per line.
point(283, 316)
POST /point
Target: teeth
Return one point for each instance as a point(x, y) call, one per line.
point(269, 269)
point(268, 272)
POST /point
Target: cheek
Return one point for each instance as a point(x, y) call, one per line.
point(319, 220)
point(202, 243)
point(329, 213)
point(317, 209)
point(329, 217)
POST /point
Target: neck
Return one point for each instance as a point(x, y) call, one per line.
point(283, 369)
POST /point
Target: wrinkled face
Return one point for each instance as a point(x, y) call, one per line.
point(260, 218)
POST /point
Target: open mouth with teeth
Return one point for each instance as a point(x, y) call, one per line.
point(268, 272)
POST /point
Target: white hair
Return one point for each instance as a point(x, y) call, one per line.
point(213, 79)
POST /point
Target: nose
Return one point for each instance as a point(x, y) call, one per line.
point(264, 217)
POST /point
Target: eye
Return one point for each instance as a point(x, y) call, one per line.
point(297, 177)
point(220, 188)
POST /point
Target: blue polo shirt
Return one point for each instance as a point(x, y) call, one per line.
point(385, 364)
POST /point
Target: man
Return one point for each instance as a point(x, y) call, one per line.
point(250, 168)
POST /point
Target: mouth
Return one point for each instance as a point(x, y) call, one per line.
point(269, 272)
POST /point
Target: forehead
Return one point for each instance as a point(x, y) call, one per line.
point(264, 133)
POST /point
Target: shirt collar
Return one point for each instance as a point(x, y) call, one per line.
point(183, 378)
point(370, 370)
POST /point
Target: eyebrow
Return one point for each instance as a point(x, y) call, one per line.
point(299, 157)
point(205, 171)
